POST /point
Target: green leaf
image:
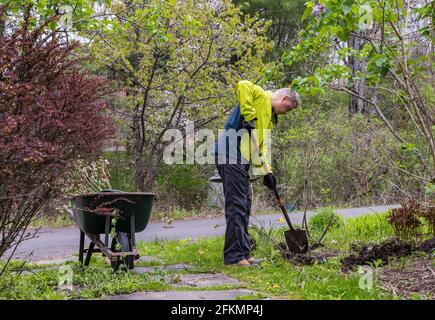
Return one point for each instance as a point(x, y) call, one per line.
point(342, 34)
point(378, 64)
point(408, 147)
point(346, 8)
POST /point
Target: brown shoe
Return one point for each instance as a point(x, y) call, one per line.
point(241, 263)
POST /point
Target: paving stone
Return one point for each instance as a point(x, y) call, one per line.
point(184, 295)
point(206, 280)
point(153, 269)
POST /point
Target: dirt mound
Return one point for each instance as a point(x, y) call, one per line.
point(308, 258)
point(427, 246)
point(392, 248)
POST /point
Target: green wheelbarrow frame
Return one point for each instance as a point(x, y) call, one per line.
point(94, 214)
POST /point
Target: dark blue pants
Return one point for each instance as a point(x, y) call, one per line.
point(237, 192)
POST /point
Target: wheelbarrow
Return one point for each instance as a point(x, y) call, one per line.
point(115, 214)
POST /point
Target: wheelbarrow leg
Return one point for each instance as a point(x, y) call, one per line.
point(132, 238)
point(107, 231)
point(82, 246)
point(132, 231)
point(88, 256)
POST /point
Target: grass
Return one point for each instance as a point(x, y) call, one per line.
point(275, 278)
point(372, 227)
point(98, 280)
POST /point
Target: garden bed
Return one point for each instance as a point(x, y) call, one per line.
point(384, 252)
point(413, 279)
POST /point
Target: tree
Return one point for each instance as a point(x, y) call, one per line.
point(396, 37)
point(51, 113)
point(72, 14)
point(176, 61)
point(285, 24)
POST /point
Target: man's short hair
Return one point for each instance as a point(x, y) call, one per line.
point(293, 95)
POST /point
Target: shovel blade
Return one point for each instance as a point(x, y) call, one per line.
point(297, 241)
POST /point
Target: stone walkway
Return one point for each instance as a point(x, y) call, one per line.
point(184, 295)
point(177, 276)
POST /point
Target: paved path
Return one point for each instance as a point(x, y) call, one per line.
point(60, 242)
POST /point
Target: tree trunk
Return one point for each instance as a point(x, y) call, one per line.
point(139, 176)
point(357, 105)
point(150, 178)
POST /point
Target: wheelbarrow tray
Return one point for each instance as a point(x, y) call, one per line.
point(90, 210)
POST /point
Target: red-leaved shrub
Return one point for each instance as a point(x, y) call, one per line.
point(50, 114)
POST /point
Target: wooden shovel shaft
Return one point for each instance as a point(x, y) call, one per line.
point(283, 209)
point(275, 191)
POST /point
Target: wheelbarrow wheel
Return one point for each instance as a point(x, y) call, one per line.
point(125, 245)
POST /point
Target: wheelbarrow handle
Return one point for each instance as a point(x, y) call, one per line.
point(275, 190)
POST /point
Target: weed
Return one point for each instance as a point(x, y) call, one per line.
point(319, 221)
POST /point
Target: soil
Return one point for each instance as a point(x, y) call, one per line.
point(427, 246)
point(392, 248)
point(416, 277)
point(308, 258)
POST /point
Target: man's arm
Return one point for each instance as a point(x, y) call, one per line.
point(246, 93)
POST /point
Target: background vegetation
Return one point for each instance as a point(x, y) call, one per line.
point(363, 134)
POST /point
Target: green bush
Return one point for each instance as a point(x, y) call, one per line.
point(121, 170)
point(319, 221)
point(182, 185)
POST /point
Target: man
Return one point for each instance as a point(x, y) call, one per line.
point(256, 113)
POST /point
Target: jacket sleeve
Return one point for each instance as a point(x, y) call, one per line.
point(246, 92)
point(256, 160)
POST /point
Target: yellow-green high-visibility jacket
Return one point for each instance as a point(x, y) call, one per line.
point(234, 144)
point(256, 104)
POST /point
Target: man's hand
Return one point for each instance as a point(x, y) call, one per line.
point(269, 181)
point(249, 125)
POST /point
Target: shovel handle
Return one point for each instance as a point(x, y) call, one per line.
point(275, 190)
point(283, 209)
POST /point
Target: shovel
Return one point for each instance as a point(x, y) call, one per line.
point(296, 239)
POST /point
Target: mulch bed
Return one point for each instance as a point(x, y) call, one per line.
point(392, 248)
point(416, 277)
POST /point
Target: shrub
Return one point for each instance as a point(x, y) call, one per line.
point(410, 217)
point(319, 222)
point(50, 114)
point(405, 219)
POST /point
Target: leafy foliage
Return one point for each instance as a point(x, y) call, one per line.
point(325, 217)
point(410, 217)
point(389, 63)
point(175, 61)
